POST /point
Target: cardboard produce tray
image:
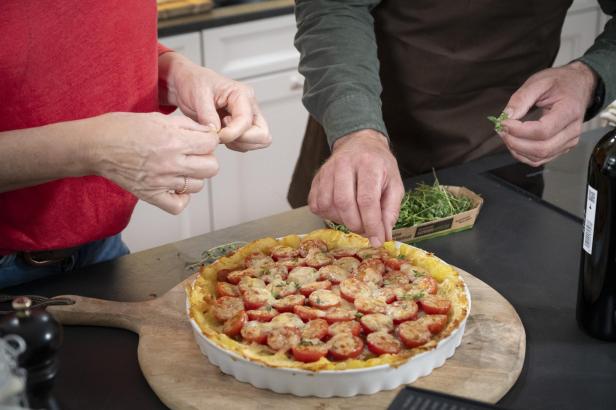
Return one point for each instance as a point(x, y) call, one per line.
point(443, 226)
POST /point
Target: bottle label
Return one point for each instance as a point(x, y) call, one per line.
point(589, 221)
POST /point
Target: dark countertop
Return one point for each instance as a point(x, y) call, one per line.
point(522, 248)
point(225, 15)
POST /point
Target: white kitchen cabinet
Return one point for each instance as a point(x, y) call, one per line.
point(254, 184)
point(151, 226)
point(261, 54)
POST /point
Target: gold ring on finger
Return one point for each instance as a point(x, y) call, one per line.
point(184, 188)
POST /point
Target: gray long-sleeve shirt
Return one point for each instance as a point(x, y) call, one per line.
point(338, 49)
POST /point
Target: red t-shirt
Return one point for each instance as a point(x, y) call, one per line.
point(68, 60)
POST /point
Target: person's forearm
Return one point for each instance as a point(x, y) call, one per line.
point(601, 56)
point(35, 155)
point(337, 44)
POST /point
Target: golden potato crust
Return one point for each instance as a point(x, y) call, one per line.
point(202, 296)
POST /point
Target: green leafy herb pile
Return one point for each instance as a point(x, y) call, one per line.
point(498, 127)
point(423, 204)
point(429, 202)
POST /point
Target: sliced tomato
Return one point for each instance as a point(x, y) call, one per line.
point(287, 319)
point(352, 288)
point(375, 264)
point(303, 275)
point(395, 278)
point(287, 303)
point(426, 284)
point(226, 289)
point(435, 323)
point(284, 252)
point(317, 259)
point(308, 351)
point(348, 263)
point(402, 310)
point(337, 314)
point(306, 245)
point(233, 326)
point(226, 307)
point(369, 304)
point(394, 263)
point(315, 329)
point(345, 346)
point(372, 253)
point(434, 305)
point(307, 313)
point(386, 294)
point(283, 338)
point(280, 288)
point(413, 333)
point(248, 283)
point(264, 314)
point(383, 343)
point(343, 252)
point(291, 264)
point(272, 272)
point(412, 271)
point(254, 331)
point(258, 260)
point(334, 273)
point(308, 288)
point(324, 299)
point(350, 326)
point(235, 276)
point(376, 322)
point(222, 275)
point(257, 297)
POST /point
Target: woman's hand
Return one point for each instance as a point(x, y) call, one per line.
point(153, 155)
point(211, 99)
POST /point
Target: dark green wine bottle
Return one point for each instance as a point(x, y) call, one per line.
point(596, 305)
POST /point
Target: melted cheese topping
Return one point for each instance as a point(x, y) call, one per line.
point(202, 296)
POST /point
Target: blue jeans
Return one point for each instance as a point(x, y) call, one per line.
point(13, 270)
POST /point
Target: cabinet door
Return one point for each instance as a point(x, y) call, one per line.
point(151, 226)
point(254, 184)
point(251, 49)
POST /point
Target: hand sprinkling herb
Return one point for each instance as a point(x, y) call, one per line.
point(497, 121)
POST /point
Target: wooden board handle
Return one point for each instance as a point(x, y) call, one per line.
point(98, 312)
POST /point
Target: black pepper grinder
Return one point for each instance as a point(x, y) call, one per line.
point(43, 337)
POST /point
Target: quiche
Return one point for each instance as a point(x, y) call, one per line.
point(327, 301)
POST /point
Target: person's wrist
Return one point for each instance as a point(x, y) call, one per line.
point(91, 134)
point(589, 79)
point(366, 135)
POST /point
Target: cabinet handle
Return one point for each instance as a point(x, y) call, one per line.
point(297, 82)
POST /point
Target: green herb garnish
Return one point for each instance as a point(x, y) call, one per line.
point(497, 121)
point(423, 204)
point(359, 315)
point(414, 296)
point(418, 274)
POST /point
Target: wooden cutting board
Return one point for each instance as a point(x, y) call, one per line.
point(485, 366)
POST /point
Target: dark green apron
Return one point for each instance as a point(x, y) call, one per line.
point(444, 67)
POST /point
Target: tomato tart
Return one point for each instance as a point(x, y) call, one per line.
point(327, 302)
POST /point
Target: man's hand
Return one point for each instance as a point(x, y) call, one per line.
point(211, 99)
point(563, 94)
point(151, 155)
point(360, 186)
